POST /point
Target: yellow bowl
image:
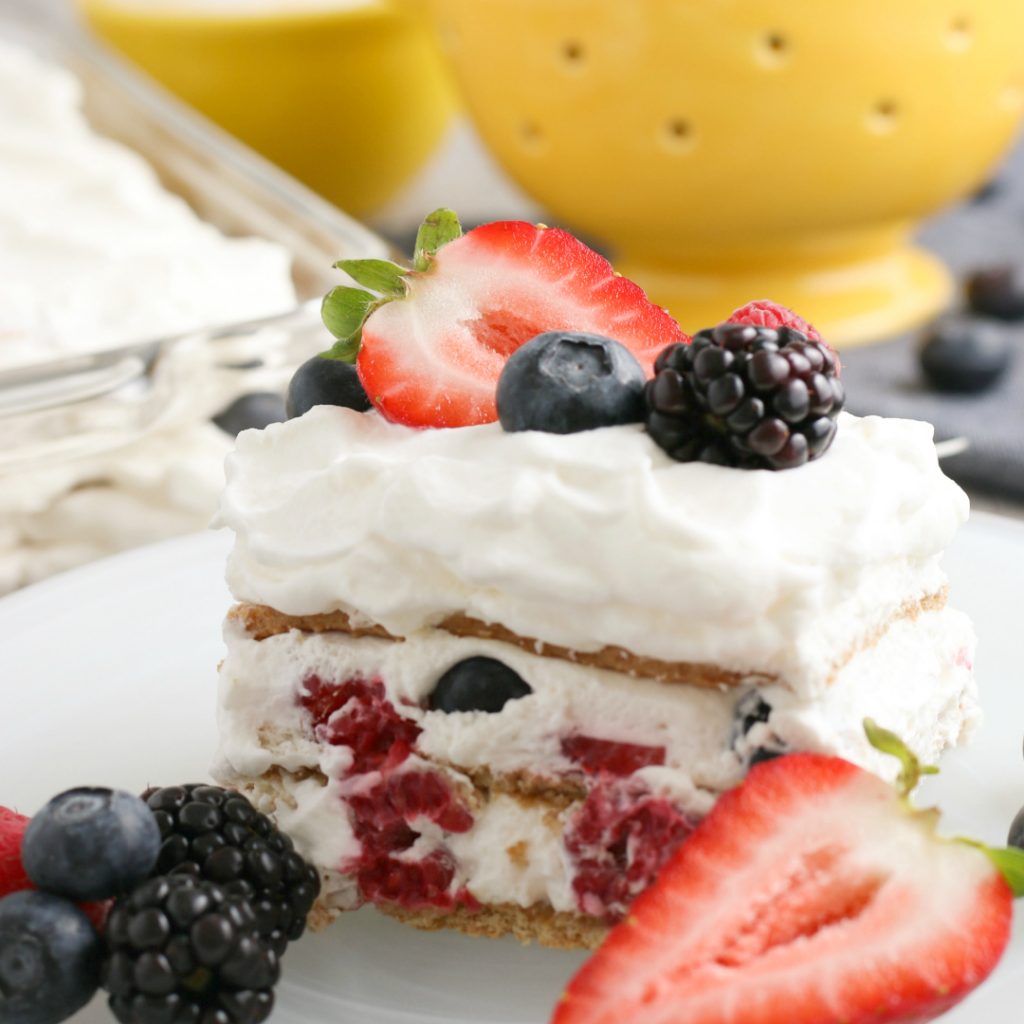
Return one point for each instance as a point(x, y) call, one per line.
point(732, 151)
point(350, 99)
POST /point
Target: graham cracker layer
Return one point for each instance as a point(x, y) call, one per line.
point(541, 924)
point(261, 622)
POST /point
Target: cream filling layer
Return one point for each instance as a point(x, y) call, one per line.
point(916, 680)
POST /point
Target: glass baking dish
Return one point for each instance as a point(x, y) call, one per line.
point(84, 404)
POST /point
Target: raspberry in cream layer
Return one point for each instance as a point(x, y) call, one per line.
point(667, 623)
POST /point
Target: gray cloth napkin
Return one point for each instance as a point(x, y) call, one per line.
point(885, 378)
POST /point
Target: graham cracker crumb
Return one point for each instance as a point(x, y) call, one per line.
point(519, 853)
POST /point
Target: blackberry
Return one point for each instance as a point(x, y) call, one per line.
point(740, 395)
point(217, 834)
point(181, 950)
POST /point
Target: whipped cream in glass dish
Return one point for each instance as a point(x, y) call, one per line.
point(97, 251)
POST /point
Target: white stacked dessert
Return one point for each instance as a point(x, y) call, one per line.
point(491, 678)
point(650, 628)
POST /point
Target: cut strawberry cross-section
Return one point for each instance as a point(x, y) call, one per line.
point(812, 893)
point(430, 348)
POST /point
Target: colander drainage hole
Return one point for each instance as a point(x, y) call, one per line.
point(884, 117)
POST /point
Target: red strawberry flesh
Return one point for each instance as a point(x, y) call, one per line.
point(433, 358)
point(809, 895)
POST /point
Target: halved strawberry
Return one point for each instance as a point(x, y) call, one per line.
point(12, 872)
point(811, 894)
point(765, 313)
point(430, 349)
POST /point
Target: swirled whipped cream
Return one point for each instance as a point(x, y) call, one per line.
point(594, 539)
point(94, 252)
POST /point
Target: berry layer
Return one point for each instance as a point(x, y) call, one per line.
point(552, 813)
point(594, 541)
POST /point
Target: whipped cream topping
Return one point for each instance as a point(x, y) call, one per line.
point(94, 252)
point(593, 539)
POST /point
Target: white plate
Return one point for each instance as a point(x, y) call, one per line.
point(107, 677)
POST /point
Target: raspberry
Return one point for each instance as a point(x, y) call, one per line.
point(607, 756)
point(357, 714)
point(426, 794)
point(425, 882)
point(765, 313)
point(618, 841)
point(381, 816)
point(217, 834)
point(183, 949)
point(746, 396)
point(384, 802)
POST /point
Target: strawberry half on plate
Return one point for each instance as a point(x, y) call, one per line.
point(430, 345)
point(811, 894)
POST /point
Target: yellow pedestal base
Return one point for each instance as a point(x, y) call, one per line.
point(850, 304)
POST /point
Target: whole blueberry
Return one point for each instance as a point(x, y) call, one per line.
point(320, 381)
point(49, 958)
point(964, 354)
point(562, 383)
point(478, 684)
point(1016, 837)
point(91, 844)
point(751, 709)
point(997, 292)
point(251, 412)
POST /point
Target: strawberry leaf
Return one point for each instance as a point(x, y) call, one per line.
point(441, 227)
point(379, 275)
point(1008, 861)
point(888, 742)
point(344, 349)
point(343, 311)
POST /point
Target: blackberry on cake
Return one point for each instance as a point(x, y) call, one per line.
point(744, 395)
